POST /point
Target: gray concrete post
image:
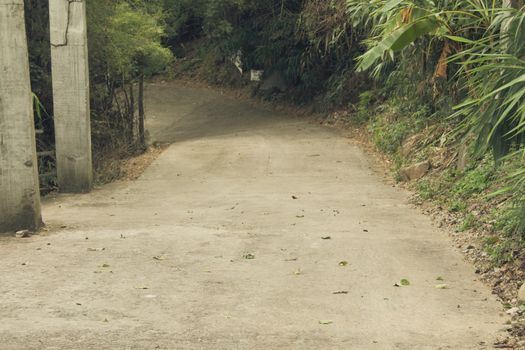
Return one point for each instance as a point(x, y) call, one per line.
point(69, 54)
point(19, 187)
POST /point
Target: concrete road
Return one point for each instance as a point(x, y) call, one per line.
point(219, 245)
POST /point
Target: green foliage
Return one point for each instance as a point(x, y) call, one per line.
point(393, 121)
point(388, 135)
point(465, 53)
point(510, 241)
point(485, 39)
point(310, 42)
point(398, 40)
point(128, 40)
point(474, 182)
point(457, 206)
point(428, 189)
point(495, 72)
point(470, 222)
point(365, 106)
point(125, 40)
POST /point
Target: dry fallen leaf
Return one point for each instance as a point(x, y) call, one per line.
point(96, 249)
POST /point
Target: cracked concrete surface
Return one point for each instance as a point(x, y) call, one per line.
point(160, 263)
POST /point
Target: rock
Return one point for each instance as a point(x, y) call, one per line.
point(521, 294)
point(515, 311)
point(274, 83)
point(23, 234)
point(415, 172)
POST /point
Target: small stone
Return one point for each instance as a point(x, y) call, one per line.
point(23, 234)
point(514, 311)
point(415, 172)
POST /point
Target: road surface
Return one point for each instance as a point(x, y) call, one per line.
point(219, 246)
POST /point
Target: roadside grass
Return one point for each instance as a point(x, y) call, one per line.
point(468, 194)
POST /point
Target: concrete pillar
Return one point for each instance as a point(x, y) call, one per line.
point(70, 70)
point(19, 187)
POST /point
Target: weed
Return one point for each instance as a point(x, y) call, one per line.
point(474, 182)
point(426, 189)
point(365, 106)
point(388, 136)
point(457, 206)
point(470, 222)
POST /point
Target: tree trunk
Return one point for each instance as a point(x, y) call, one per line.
point(142, 114)
point(130, 123)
